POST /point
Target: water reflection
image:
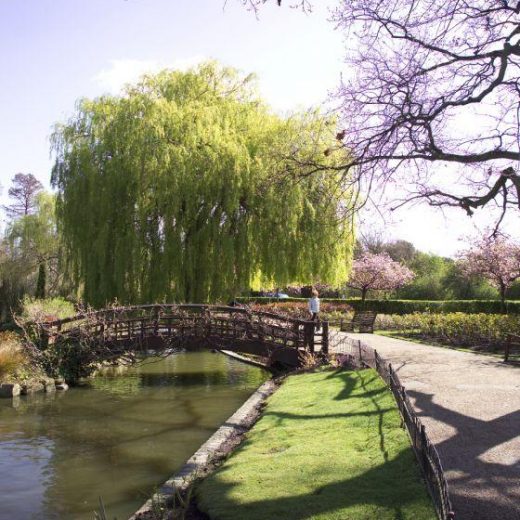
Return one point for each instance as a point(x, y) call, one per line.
point(118, 436)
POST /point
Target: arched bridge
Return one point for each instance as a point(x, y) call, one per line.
point(280, 339)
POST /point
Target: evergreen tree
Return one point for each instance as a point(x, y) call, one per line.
point(23, 192)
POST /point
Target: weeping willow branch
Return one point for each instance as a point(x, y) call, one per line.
point(177, 190)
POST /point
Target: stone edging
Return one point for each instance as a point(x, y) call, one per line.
point(237, 424)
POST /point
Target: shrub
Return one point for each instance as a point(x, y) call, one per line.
point(299, 309)
point(50, 309)
point(487, 331)
point(12, 358)
point(407, 306)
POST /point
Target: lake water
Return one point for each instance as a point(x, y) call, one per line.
point(118, 437)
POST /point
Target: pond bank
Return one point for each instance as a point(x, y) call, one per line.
point(221, 443)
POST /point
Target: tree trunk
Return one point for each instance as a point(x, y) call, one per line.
point(40, 284)
point(503, 298)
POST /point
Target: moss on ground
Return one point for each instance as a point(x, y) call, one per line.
point(328, 446)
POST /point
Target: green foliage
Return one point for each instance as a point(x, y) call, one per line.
point(407, 306)
point(514, 291)
point(329, 445)
point(12, 358)
point(461, 286)
point(458, 329)
point(31, 244)
point(71, 358)
point(188, 188)
point(428, 284)
point(43, 310)
point(436, 277)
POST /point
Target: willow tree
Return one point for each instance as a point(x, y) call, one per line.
point(186, 188)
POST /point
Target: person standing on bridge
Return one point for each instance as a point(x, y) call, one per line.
point(314, 308)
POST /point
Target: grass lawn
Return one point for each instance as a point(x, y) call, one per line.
point(328, 446)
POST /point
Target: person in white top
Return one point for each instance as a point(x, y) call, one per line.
point(314, 308)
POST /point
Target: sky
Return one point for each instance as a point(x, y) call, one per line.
point(55, 52)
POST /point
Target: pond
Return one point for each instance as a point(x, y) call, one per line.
point(118, 436)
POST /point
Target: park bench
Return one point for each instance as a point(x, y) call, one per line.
point(512, 346)
point(363, 321)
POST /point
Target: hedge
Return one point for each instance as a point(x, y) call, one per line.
point(408, 306)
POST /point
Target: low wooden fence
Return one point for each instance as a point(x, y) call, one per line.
point(428, 458)
point(512, 346)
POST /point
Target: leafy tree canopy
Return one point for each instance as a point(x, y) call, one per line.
point(182, 188)
point(29, 254)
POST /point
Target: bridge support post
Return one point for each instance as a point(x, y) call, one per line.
point(309, 336)
point(325, 337)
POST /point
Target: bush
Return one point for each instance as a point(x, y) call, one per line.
point(299, 309)
point(49, 309)
point(12, 358)
point(487, 331)
point(407, 306)
point(72, 358)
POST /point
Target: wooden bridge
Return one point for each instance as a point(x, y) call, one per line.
point(279, 339)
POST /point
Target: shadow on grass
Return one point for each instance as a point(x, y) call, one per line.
point(391, 489)
point(350, 380)
point(378, 493)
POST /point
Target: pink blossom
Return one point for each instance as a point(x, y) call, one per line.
point(379, 272)
point(496, 259)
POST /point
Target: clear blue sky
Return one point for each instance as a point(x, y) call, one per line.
point(57, 51)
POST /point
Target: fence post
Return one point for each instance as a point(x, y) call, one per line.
point(424, 456)
point(403, 406)
point(296, 334)
point(360, 355)
point(155, 321)
point(309, 335)
point(325, 337)
point(311, 332)
point(208, 317)
point(508, 347)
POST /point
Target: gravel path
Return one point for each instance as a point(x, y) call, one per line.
point(470, 405)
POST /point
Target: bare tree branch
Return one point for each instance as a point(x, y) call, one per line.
point(435, 82)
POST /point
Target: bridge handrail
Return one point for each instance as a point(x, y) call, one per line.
point(49, 325)
point(138, 321)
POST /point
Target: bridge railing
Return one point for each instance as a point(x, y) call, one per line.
point(184, 320)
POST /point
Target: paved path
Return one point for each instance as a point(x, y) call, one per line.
point(470, 405)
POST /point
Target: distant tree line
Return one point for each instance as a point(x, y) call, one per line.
point(30, 251)
point(436, 277)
